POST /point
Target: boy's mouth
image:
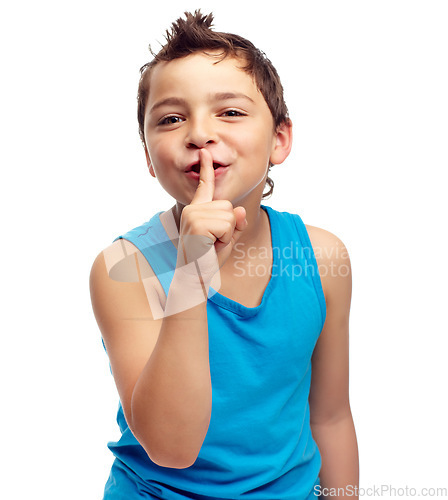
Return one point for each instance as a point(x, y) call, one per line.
point(196, 167)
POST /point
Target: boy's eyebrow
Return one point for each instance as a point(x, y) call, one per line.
point(224, 96)
point(168, 101)
point(220, 96)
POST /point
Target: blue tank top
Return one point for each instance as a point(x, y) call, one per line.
point(259, 443)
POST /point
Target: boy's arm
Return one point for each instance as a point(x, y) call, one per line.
point(161, 366)
point(331, 419)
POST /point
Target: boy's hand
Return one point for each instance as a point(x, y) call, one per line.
point(209, 229)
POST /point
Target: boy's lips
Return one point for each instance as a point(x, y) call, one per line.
point(192, 170)
point(195, 166)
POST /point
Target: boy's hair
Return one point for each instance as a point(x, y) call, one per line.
point(194, 34)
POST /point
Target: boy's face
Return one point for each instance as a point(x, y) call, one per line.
point(193, 104)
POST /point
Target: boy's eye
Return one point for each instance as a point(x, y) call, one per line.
point(170, 120)
point(232, 112)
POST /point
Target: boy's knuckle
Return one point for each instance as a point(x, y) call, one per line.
point(195, 226)
point(228, 205)
point(232, 220)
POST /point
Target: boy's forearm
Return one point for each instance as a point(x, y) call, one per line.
point(171, 403)
point(339, 475)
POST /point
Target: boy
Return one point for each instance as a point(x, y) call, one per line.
point(216, 394)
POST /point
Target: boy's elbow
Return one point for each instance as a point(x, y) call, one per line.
point(172, 459)
point(173, 443)
point(161, 453)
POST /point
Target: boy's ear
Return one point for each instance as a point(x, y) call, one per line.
point(282, 143)
point(148, 161)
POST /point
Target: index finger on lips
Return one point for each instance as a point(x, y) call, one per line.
point(206, 187)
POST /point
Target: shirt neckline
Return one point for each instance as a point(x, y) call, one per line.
point(237, 307)
point(230, 304)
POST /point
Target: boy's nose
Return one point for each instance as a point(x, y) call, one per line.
point(200, 133)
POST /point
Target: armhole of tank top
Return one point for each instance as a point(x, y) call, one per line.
point(158, 286)
point(306, 243)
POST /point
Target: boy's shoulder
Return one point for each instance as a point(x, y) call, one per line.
point(323, 241)
point(121, 262)
point(125, 259)
point(332, 259)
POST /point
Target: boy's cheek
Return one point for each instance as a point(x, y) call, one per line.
point(157, 153)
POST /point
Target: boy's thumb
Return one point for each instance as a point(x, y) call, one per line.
point(224, 250)
point(241, 222)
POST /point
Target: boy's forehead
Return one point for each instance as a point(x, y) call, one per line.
point(210, 68)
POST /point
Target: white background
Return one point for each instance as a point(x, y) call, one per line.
point(366, 85)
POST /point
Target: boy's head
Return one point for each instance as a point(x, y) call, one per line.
point(192, 35)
